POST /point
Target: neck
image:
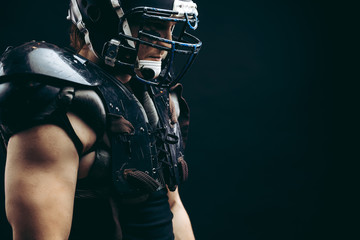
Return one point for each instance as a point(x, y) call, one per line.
point(124, 78)
point(88, 54)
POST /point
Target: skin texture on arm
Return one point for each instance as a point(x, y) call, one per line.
point(40, 180)
point(181, 221)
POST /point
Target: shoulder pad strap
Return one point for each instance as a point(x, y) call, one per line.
point(44, 59)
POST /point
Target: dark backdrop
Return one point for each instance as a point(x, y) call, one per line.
point(272, 142)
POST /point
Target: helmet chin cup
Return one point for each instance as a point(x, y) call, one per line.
point(148, 69)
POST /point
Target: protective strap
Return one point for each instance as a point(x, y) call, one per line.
point(60, 119)
point(184, 170)
point(141, 180)
point(184, 117)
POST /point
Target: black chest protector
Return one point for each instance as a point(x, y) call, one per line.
point(146, 151)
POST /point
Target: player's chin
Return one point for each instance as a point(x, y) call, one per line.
point(153, 58)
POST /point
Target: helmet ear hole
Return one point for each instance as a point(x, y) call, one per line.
point(94, 13)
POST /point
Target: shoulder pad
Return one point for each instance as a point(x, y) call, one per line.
point(49, 62)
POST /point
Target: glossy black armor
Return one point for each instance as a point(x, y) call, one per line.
point(40, 82)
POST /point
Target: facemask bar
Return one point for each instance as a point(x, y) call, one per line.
point(190, 49)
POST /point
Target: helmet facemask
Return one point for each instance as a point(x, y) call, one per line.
point(137, 28)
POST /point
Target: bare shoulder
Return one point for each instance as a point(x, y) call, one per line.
point(41, 144)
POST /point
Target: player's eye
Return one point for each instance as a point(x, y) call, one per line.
point(152, 32)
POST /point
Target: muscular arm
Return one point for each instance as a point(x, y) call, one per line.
point(40, 179)
point(181, 221)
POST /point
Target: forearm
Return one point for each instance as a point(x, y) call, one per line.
point(181, 223)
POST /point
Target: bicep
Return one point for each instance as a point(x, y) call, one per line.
point(40, 179)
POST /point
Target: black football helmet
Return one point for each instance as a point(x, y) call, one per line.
point(105, 24)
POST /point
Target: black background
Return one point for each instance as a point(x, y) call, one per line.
point(273, 144)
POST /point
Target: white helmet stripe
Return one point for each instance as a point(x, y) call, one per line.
point(116, 5)
point(75, 16)
point(185, 7)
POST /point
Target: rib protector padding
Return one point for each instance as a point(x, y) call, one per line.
point(184, 170)
point(141, 180)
